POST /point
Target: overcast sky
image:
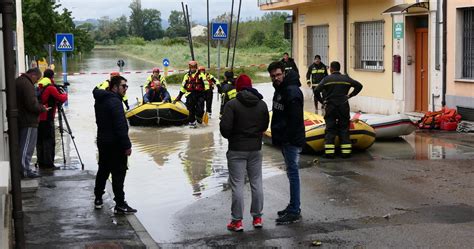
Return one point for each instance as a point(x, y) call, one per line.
point(94, 9)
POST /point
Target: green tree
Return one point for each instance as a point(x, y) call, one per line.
point(152, 24)
point(41, 21)
point(136, 19)
point(38, 31)
point(121, 27)
point(177, 26)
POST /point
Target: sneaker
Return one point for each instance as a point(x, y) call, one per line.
point(257, 222)
point(124, 209)
point(282, 212)
point(192, 124)
point(32, 175)
point(209, 115)
point(236, 226)
point(98, 203)
point(288, 219)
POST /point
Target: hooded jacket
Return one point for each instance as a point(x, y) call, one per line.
point(112, 127)
point(287, 119)
point(29, 107)
point(244, 120)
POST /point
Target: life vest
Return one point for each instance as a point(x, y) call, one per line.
point(194, 83)
point(435, 120)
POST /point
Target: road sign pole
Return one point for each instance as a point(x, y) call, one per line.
point(218, 58)
point(64, 62)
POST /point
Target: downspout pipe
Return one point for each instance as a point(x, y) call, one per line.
point(445, 42)
point(12, 117)
point(344, 14)
point(437, 41)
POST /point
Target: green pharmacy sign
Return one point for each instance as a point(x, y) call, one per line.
point(398, 30)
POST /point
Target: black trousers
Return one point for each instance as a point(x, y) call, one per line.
point(112, 160)
point(337, 119)
point(209, 95)
point(195, 105)
point(316, 103)
point(46, 144)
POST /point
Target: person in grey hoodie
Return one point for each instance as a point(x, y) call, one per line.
point(243, 122)
point(29, 110)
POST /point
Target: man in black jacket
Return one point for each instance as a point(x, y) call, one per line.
point(244, 120)
point(316, 71)
point(289, 63)
point(335, 89)
point(288, 132)
point(113, 143)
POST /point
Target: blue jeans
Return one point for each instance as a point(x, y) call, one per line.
point(292, 160)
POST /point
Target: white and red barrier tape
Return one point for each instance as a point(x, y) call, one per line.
point(169, 71)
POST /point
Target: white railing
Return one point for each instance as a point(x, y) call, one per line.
point(265, 2)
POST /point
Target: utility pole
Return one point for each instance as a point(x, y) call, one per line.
point(20, 40)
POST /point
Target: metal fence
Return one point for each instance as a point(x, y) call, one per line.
point(369, 45)
point(318, 43)
point(468, 44)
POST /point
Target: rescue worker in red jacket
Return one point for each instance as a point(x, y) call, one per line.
point(51, 96)
point(194, 86)
point(212, 81)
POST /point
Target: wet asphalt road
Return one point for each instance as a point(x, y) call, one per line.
point(177, 176)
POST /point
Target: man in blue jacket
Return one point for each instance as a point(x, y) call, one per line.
point(288, 132)
point(113, 143)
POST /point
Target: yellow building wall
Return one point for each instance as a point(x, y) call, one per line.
point(376, 84)
point(454, 86)
point(318, 14)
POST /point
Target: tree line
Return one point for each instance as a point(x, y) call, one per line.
point(43, 19)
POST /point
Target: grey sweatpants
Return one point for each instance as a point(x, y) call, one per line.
point(28, 137)
point(239, 163)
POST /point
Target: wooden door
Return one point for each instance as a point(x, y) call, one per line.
point(421, 85)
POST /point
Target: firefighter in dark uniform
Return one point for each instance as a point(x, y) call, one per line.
point(227, 89)
point(316, 72)
point(194, 86)
point(335, 90)
point(289, 63)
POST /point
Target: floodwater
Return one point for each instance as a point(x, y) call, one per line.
point(172, 167)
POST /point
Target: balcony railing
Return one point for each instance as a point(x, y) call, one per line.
point(265, 2)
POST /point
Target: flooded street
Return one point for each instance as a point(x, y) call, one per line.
point(172, 167)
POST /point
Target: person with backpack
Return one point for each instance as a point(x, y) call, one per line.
point(51, 96)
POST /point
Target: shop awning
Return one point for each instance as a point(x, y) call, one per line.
point(408, 8)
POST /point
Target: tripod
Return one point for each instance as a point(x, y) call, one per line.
point(61, 117)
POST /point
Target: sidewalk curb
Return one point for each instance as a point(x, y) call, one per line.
point(142, 233)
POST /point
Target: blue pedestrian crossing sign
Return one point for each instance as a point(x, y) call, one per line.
point(64, 42)
point(219, 31)
point(166, 62)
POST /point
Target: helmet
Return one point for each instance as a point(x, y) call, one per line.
point(112, 74)
point(202, 68)
point(192, 63)
point(156, 70)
